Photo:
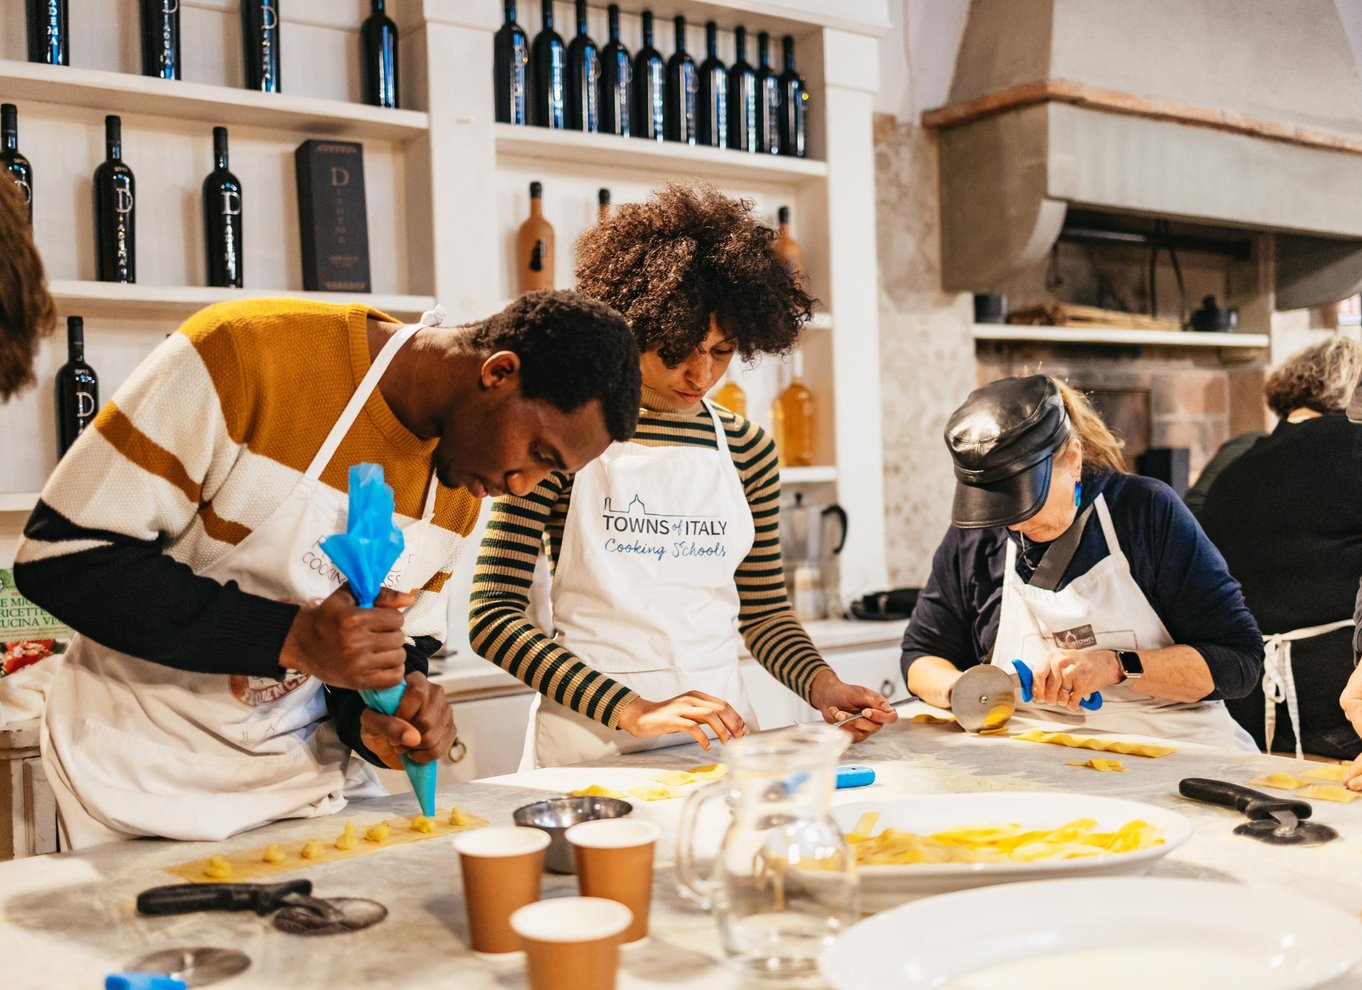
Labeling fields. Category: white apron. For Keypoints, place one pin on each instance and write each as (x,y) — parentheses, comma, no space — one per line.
(1103,610)
(644,590)
(134,747)
(1279,680)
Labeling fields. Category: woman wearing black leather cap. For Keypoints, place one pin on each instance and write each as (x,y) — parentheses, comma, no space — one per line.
(1096,579)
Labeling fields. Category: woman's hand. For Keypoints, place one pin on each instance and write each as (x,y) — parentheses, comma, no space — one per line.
(835,700)
(1066,677)
(644,719)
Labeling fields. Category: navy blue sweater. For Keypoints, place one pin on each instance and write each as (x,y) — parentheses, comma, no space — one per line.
(1180,571)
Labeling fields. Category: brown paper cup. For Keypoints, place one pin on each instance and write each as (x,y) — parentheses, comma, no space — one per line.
(501,867)
(572,943)
(615,860)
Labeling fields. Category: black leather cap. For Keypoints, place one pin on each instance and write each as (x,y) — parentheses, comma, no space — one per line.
(1003,440)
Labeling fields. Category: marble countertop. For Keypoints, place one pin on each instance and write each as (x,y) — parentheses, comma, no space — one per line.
(69,919)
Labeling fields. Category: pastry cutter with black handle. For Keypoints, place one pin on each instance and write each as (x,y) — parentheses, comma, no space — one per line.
(262,898)
(295,909)
(1274,820)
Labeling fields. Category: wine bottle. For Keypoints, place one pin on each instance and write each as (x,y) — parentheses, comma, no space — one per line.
(787,247)
(794,98)
(650,87)
(260,42)
(712,127)
(682,87)
(160,38)
(602,205)
(510,60)
(378,57)
(732,397)
(793,411)
(534,245)
(10,160)
(616,72)
(222,218)
(47,32)
(77,388)
(584,76)
(115,218)
(768,99)
(742,97)
(548,70)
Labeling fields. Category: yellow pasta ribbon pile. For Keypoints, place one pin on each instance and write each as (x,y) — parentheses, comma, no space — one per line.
(997,843)
(1089,742)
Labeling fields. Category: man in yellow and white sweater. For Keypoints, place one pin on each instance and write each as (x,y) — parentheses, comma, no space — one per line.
(214,682)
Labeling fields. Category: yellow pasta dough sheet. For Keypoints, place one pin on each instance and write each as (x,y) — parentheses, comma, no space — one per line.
(665,788)
(1337,772)
(1327,792)
(996,843)
(925,718)
(1118,746)
(1100,764)
(1279,781)
(334,840)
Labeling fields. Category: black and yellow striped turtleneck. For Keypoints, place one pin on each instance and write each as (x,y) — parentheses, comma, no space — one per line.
(519,528)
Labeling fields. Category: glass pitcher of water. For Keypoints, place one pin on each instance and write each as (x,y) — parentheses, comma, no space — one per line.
(783,884)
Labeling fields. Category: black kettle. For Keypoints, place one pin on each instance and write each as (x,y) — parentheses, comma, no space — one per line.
(1213,318)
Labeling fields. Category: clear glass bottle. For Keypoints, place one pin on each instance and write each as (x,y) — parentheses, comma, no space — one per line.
(792,418)
(732,397)
(787,247)
(784,883)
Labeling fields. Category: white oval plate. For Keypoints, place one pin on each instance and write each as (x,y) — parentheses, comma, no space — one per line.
(885,886)
(1117,933)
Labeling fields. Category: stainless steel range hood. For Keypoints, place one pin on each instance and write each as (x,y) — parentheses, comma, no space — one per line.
(1242,114)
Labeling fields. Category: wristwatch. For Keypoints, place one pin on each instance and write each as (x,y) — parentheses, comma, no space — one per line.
(1131,664)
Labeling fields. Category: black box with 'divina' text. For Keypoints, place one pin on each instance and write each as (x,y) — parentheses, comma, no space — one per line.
(331,216)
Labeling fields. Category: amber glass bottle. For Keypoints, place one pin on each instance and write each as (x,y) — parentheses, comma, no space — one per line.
(534,245)
(787,247)
(792,419)
(732,397)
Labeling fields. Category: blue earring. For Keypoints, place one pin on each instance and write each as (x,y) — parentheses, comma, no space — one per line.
(1078,493)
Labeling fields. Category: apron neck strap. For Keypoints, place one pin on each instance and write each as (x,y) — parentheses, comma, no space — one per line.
(720,434)
(1050,571)
(366,387)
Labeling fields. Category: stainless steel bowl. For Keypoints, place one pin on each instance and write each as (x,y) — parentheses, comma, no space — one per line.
(556,815)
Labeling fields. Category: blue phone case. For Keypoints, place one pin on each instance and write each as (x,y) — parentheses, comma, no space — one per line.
(854,776)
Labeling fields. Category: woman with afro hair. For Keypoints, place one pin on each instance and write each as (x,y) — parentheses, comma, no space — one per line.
(665,552)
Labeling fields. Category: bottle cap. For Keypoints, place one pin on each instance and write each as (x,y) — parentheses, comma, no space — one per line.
(536,190)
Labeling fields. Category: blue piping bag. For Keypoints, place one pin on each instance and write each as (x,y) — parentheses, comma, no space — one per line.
(365,553)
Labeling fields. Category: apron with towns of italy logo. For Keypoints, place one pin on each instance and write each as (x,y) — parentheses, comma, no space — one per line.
(134,747)
(1104,609)
(645,589)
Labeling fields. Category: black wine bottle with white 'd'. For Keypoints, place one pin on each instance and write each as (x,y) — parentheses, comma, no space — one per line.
(222,219)
(115,196)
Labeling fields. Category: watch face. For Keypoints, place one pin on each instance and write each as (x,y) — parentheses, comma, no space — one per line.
(1130,663)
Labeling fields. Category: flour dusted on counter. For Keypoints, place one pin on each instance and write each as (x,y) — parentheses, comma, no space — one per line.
(31,644)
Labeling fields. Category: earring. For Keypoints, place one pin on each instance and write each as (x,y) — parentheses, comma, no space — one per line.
(1078,493)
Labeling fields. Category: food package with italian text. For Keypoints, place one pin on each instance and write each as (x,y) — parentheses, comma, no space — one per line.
(32,641)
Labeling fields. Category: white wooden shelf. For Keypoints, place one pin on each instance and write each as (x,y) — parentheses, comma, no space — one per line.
(124,93)
(18,501)
(117,299)
(1116,335)
(808,475)
(660,157)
